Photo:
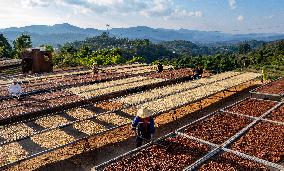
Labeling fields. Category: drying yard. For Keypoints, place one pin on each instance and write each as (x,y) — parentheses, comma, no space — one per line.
(69,113)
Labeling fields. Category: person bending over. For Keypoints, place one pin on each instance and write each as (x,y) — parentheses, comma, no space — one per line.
(15,90)
(144,125)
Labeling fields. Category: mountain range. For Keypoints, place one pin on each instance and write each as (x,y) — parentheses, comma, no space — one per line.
(62,33)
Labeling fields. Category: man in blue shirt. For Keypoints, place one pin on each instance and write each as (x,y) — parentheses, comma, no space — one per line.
(144,125)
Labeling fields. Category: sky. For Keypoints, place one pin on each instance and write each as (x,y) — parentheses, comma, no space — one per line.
(230,16)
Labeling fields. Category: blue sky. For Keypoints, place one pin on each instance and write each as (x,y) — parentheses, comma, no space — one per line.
(232,16)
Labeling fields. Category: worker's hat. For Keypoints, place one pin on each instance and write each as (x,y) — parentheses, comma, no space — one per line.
(144,112)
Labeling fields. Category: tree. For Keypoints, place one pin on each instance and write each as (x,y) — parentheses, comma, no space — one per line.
(5,47)
(136,59)
(21,43)
(48,48)
(244,48)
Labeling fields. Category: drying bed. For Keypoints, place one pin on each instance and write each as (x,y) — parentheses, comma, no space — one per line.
(169,74)
(229,161)
(80,113)
(52,139)
(11,152)
(265,141)
(74,117)
(217,128)
(109,105)
(130,111)
(137,70)
(56,81)
(114,119)
(198,93)
(68,72)
(252,107)
(93,87)
(15,131)
(118,88)
(40,85)
(173,89)
(49,140)
(89,127)
(277,114)
(36,103)
(276,87)
(173,153)
(51,121)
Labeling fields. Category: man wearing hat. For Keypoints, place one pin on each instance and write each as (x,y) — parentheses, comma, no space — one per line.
(144,125)
(15,90)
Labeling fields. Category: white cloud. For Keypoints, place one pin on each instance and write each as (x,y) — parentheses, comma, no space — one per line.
(240,18)
(148,8)
(35,3)
(23,16)
(180,13)
(81,10)
(198,14)
(232,3)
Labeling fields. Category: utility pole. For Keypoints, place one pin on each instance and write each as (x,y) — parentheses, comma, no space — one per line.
(107,26)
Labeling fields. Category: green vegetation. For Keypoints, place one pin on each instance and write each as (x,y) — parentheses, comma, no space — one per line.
(106,50)
(269,56)
(216,63)
(68,56)
(5,47)
(48,48)
(21,43)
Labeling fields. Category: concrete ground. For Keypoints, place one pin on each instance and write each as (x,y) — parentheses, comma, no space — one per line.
(86,161)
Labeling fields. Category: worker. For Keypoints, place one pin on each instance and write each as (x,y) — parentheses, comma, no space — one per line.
(95,68)
(264,74)
(15,90)
(198,72)
(27,64)
(159,67)
(144,125)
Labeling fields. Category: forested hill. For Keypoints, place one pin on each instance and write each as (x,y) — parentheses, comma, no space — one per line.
(127,48)
(167,49)
(62,33)
(53,35)
(105,49)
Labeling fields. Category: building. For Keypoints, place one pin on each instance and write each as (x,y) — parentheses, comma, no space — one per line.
(36,61)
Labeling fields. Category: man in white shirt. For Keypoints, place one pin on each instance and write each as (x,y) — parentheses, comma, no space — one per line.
(15,90)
